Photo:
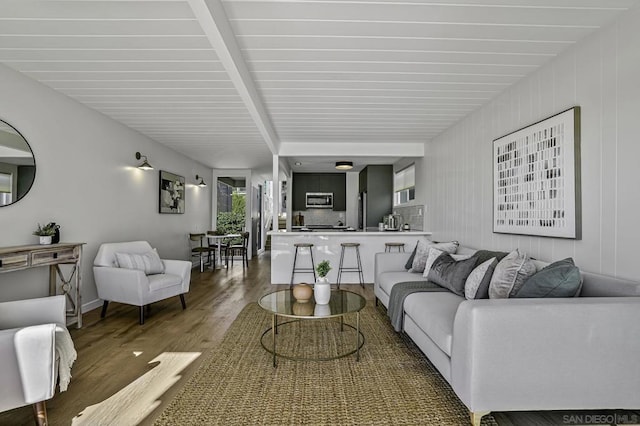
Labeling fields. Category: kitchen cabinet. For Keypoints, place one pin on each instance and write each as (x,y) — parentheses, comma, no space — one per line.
(319,182)
(377,182)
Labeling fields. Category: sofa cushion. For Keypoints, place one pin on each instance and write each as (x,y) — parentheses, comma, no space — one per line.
(509,275)
(434,313)
(387,280)
(160,281)
(450,273)
(422,253)
(477,284)
(148,262)
(560,279)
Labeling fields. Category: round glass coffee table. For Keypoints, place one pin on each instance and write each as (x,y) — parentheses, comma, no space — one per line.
(281,303)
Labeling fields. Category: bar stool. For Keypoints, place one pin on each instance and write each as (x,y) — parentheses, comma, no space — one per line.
(301,270)
(357,268)
(389,246)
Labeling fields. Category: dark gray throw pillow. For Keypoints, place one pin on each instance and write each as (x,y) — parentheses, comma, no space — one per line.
(484,255)
(451,274)
(409,263)
(560,279)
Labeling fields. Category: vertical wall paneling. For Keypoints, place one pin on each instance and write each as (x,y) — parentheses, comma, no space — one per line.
(600,74)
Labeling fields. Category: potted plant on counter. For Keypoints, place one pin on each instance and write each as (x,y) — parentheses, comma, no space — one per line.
(322,288)
(45,232)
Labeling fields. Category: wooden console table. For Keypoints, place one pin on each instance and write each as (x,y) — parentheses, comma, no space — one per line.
(53,255)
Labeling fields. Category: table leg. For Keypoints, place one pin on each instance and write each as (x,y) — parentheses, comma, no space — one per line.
(274,331)
(341,322)
(357,336)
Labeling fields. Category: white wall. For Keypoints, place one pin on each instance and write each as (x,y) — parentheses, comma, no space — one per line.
(87,182)
(600,74)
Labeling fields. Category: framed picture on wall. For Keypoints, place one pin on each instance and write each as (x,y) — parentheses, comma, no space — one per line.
(536,178)
(171,193)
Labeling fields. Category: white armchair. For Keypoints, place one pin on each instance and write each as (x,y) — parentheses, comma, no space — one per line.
(27,352)
(134,287)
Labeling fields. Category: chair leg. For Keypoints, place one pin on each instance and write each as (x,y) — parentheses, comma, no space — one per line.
(340,267)
(40,413)
(103,313)
(184,304)
(141,315)
(360,274)
(293,268)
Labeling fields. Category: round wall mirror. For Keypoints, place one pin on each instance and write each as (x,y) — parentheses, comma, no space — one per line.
(17,165)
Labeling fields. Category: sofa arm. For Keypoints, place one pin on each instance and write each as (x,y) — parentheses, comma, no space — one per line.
(546,354)
(24,313)
(28,360)
(385,262)
(181,268)
(121,285)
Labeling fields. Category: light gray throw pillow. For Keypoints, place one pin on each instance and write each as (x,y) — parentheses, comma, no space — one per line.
(149,262)
(422,253)
(510,273)
(477,284)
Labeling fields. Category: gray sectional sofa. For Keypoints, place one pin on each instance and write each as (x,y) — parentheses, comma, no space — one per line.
(526,354)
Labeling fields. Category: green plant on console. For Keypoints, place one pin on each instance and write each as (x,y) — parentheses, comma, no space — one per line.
(323,268)
(47,230)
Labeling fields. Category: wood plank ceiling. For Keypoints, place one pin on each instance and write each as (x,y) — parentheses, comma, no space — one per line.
(229,83)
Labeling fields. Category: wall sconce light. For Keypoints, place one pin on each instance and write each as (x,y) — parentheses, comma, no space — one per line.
(145,164)
(344,165)
(202,183)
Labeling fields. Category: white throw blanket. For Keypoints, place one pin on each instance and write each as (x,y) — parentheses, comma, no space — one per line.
(65,355)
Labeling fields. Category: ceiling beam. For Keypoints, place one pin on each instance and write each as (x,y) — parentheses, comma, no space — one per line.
(213,19)
(341,149)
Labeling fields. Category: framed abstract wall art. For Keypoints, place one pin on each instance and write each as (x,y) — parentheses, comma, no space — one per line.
(536,178)
(171,193)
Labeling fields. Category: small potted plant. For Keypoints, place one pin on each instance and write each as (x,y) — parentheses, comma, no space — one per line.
(322,288)
(45,232)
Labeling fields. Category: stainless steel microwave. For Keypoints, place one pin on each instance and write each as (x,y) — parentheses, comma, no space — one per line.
(319,200)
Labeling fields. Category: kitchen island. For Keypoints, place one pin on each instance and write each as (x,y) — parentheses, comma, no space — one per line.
(327,247)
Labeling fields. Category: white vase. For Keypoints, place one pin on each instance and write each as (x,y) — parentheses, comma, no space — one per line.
(321,310)
(322,291)
(45,239)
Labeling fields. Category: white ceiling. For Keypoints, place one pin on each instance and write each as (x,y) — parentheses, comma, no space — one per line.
(231,83)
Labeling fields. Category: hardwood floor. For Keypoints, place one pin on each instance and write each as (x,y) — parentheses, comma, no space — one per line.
(115,379)
(116,351)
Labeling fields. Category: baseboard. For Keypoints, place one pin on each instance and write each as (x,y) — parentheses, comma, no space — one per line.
(90,306)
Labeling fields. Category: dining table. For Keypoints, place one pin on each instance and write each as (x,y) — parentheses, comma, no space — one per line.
(217,239)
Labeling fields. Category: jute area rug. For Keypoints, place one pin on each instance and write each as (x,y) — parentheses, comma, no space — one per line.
(392,384)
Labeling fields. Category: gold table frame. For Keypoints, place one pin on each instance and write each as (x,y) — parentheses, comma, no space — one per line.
(281,303)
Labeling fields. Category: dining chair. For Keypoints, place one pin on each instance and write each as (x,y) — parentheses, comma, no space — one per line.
(239,249)
(200,250)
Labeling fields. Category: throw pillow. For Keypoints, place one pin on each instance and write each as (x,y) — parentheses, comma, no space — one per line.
(560,279)
(422,252)
(149,262)
(450,273)
(510,273)
(484,255)
(477,284)
(410,260)
(434,253)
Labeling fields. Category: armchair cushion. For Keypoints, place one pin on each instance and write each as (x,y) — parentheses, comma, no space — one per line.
(148,262)
(160,281)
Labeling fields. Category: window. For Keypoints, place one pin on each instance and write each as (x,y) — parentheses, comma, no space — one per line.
(404,185)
